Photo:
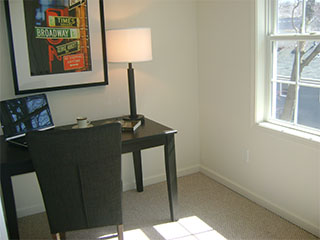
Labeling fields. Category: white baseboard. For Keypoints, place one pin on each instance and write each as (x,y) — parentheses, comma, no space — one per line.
(308,226)
(162,177)
(30,210)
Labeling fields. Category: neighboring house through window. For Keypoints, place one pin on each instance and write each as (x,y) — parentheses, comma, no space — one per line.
(291,62)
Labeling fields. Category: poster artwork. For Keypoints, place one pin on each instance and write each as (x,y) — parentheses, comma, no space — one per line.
(57,36)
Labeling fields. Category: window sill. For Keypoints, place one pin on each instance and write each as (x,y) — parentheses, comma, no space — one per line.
(290,131)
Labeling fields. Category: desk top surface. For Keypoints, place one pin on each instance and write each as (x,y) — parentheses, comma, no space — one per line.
(149,129)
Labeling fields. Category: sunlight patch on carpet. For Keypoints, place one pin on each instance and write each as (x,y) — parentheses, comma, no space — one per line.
(189,228)
(136,234)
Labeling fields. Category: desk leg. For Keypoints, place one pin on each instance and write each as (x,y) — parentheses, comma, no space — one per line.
(171,172)
(9,206)
(138,170)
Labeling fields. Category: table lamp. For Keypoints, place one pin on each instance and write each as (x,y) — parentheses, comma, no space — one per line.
(130,45)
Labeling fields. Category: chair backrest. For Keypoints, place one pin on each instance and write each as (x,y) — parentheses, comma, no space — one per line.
(79,172)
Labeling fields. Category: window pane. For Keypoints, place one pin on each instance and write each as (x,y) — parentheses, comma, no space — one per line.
(310,65)
(285,58)
(309,107)
(289,16)
(279,97)
(313,16)
(295,63)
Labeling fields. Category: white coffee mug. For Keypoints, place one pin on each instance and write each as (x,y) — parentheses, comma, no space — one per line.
(82,122)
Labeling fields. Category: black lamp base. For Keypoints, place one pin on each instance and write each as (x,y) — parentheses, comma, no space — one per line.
(132,97)
(138,117)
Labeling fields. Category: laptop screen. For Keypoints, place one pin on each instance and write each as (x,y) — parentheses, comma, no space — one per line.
(21,115)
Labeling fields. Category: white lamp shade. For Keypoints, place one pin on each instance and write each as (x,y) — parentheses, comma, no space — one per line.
(129,45)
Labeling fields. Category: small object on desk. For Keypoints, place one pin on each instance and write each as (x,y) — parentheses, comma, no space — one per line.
(130,126)
(83,122)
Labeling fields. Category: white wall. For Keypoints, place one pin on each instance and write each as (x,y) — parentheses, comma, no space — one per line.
(283,172)
(166,89)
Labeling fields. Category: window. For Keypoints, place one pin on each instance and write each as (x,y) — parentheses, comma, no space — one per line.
(293,43)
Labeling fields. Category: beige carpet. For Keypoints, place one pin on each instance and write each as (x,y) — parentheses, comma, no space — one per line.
(207,210)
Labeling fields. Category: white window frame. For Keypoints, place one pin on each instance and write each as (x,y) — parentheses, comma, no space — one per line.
(265,24)
(281,91)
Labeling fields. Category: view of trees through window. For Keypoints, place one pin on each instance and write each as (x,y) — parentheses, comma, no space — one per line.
(295,88)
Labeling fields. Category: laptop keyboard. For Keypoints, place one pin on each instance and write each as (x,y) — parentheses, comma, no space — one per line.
(21,141)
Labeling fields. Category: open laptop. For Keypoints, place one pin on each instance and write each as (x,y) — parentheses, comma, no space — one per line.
(21,115)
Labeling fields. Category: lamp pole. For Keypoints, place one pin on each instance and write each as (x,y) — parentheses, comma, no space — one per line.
(132,96)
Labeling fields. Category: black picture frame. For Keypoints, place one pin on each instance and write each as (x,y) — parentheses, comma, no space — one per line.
(26,82)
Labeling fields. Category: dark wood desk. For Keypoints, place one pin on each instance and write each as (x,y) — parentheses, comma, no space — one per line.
(15,160)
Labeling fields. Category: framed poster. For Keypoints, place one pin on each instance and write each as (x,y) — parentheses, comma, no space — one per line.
(56,44)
